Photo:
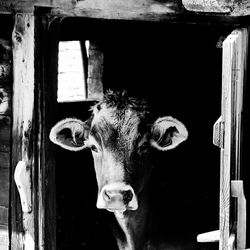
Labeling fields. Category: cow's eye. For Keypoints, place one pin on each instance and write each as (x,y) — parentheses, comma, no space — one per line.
(143,147)
(94,148)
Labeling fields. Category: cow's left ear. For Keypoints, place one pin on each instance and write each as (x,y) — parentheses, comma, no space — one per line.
(70,134)
(167,133)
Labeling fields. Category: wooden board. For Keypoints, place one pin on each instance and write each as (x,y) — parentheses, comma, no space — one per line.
(95,71)
(5,134)
(5,127)
(22,141)
(4,159)
(46,103)
(131,9)
(233,80)
(4,212)
(4,208)
(4,237)
(4,187)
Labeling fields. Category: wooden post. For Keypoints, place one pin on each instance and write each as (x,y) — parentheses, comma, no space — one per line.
(22,140)
(95,71)
(233,78)
(46,68)
(5,135)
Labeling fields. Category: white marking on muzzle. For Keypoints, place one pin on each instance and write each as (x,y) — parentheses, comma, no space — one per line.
(117,187)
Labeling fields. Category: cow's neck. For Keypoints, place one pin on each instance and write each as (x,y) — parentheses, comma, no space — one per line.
(134,225)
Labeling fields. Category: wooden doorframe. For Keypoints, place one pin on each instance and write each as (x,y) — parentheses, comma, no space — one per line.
(35,40)
(22,223)
(47,37)
(234,71)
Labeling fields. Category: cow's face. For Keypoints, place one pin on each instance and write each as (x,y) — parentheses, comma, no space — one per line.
(120,139)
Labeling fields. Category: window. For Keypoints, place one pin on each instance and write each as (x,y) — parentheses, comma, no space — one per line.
(71,74)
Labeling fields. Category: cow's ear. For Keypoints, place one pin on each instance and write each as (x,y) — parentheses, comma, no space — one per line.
(69,134)
(167,133)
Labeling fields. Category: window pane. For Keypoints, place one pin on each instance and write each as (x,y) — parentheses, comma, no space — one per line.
(71,80)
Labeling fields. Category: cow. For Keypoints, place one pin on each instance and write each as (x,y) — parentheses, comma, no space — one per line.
(121,133)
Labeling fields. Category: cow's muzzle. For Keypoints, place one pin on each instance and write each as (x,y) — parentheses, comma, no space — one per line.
(117,197)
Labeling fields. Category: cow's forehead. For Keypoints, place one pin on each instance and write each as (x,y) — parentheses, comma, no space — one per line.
(116,118)
(102,112)
(113,124)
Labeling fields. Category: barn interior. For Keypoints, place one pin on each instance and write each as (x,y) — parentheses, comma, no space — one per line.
(178,69)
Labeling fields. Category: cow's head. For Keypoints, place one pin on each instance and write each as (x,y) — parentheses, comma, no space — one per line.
(120,133)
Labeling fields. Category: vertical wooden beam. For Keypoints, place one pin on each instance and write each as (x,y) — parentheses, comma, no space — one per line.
(225,164)
(22,140)
(95,71)
(239,73)
(233,78)
(47,36)
(5,130)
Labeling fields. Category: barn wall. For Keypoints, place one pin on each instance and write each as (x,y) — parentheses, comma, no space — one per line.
(150,12)
(5,127)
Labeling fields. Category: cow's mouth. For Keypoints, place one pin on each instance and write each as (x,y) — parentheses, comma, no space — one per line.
(116,210)
(121,209)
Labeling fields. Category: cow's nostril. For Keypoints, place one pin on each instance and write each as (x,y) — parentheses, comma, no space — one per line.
(107,195)
(127,196)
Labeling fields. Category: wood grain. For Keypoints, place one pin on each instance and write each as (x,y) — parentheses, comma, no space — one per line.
(46,103)
(4,187)
(5,134)
(131,9)
(4,160)
(226,114)
(207,6)
(4,212)
(218,6)
(233,72)
(239,73)
(95,71)
(4,236)
(23,105)
(5,127)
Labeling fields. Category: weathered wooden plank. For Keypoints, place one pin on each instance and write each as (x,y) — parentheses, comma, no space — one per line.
(46,69)
(131,9)
(207,6)
(225,166)
(95,71)
(233,8)
(4,187)
(4,213)
(239,74)
(4,237)
(23,106)
(4,160)
(5,127)
(71,75)
(233,71)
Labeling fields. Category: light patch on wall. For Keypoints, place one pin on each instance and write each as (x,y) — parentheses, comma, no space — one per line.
(71,78)
(4,238)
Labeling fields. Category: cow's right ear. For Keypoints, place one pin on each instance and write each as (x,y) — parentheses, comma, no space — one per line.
(70,134)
